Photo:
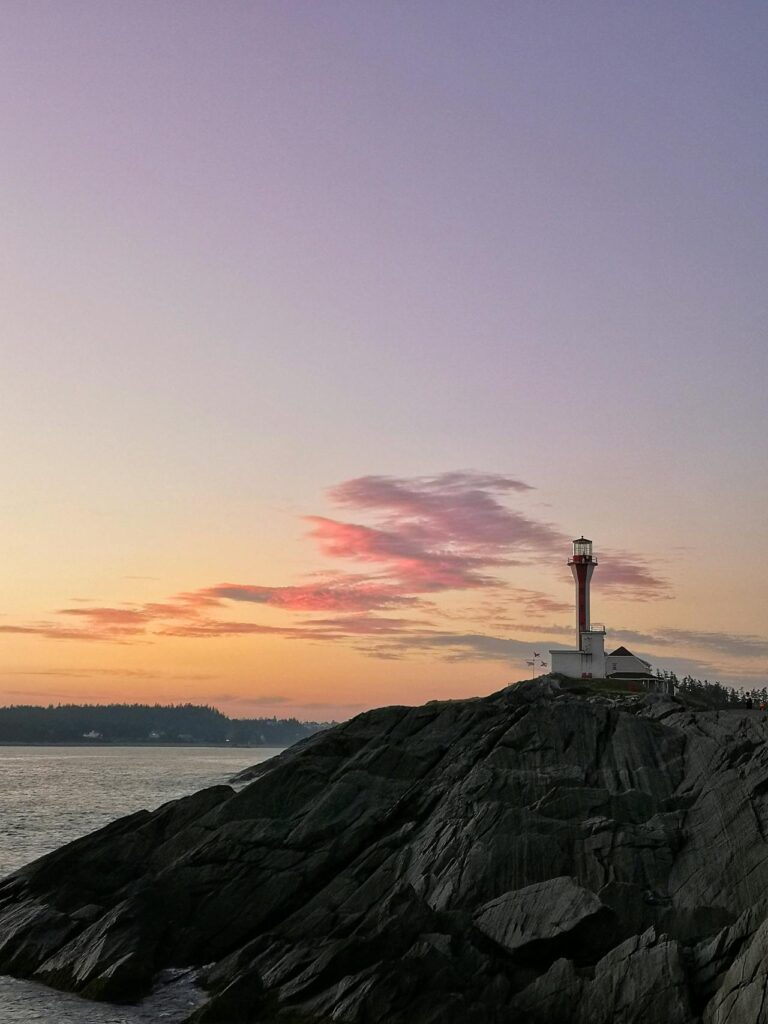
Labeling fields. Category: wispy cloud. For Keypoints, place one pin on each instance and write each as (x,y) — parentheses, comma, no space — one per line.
(36,694)
(360,623)
(734,645)
(422,537)
(52,631)
(217,628)
(448,646)
(261,700)
(437,532)
(414,566)
(331,592)
(629,576)
(509,603)
(430,535)
(109,616)
(83,673)
(97,672)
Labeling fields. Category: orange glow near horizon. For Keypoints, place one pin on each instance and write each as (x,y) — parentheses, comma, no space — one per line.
(443,592)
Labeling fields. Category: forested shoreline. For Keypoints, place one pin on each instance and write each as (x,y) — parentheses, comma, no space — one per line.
(186,724)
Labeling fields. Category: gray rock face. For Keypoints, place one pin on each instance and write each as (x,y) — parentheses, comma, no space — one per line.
(532,856)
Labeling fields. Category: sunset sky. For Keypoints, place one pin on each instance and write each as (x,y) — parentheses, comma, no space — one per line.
(326,325)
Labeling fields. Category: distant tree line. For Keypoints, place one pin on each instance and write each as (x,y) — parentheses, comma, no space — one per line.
(714,694)
(145,723)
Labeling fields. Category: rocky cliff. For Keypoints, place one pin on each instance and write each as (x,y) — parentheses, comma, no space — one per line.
(533,856)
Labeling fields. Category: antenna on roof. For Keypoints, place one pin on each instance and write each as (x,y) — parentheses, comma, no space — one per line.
(534,664)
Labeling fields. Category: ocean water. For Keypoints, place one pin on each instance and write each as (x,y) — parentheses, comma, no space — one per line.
(50,796)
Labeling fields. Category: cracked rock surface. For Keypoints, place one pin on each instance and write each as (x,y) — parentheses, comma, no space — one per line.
(532,856)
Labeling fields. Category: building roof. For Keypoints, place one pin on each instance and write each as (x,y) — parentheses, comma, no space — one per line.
(621,652)
(631,675)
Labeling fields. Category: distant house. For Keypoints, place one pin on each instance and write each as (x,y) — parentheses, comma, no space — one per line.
(623,664)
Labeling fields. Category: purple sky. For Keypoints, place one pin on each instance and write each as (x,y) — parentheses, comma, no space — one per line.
(255,250)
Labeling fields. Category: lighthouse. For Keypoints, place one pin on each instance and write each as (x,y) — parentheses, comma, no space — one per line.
(582,563)
(589,660)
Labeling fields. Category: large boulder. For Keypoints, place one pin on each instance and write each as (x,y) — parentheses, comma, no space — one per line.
(545,917)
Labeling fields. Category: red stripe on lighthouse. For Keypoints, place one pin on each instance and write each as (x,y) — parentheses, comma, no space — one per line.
(581,573)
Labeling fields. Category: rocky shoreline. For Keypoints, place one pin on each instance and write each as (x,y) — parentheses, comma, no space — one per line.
(533,856)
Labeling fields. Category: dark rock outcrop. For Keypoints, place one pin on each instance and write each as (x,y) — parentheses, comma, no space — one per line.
(533,856)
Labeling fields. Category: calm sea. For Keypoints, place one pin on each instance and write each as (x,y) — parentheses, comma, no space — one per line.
(51,795)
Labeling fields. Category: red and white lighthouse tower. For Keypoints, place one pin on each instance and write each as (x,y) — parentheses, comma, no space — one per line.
(582,563)
(588,660)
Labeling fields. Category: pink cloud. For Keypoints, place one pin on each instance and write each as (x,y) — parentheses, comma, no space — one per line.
(337,592)
(435,533)
(110,624)
(109,616)
(180,608)
(416,566)
(191,602)
(629,576)
(452,508)
(423,536)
